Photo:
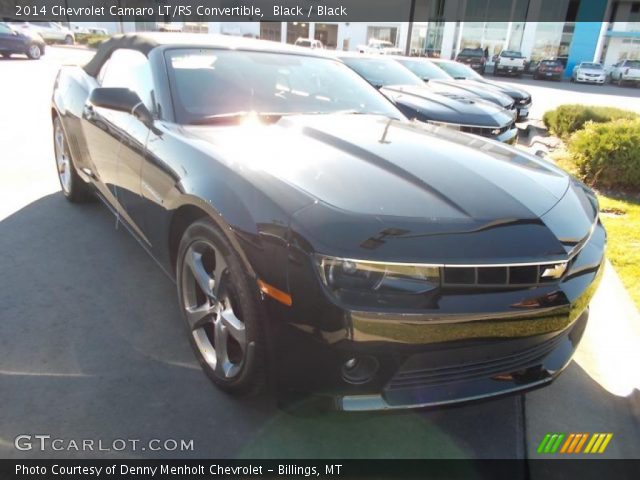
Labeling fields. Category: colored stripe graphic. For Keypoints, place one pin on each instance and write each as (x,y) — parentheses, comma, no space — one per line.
(572,443)
(581,443)
(543,443)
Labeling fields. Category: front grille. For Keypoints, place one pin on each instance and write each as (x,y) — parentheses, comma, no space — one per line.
(483,368)
(496,276)
(487,131)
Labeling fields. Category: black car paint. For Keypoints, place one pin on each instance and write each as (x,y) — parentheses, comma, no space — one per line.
(506,96)
(427,103)
(370,188)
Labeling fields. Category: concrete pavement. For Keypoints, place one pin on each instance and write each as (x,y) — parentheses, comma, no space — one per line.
(92,344)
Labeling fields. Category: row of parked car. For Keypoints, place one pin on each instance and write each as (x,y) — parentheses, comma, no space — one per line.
(512,62)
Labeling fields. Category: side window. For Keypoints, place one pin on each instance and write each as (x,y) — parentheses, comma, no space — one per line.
(6,30)
(129,69)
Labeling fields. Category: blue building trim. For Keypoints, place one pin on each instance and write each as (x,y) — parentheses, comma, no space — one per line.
(585,35)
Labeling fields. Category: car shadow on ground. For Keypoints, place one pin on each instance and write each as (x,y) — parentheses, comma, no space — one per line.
(92,346)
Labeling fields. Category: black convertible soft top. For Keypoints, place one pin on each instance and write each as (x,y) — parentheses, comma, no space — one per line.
(145,42)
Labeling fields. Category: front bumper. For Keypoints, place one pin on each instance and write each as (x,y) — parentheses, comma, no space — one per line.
(465,344)
(523,365)
(585,79)
(509,69)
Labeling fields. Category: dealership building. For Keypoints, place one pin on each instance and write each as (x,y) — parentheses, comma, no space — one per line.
(527,28)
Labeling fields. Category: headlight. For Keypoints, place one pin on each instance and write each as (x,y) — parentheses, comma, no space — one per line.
(341,274)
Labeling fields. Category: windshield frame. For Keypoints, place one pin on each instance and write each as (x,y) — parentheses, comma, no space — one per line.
(472,74)
(430,65)
(418,82)
(183,116)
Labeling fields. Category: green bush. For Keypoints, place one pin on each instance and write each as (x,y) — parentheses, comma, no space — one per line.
(566,119)
(607,155)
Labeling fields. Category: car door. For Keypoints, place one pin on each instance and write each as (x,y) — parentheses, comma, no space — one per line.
(117,140)
(10,41)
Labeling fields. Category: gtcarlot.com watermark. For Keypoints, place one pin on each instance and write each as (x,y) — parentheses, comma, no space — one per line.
(48,443)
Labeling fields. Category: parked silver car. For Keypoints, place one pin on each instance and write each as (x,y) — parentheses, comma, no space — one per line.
(50,31)
(589,72)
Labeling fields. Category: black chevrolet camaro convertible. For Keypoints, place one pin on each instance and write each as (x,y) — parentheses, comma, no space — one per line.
(319,240)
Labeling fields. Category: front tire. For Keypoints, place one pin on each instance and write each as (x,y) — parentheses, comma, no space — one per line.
(6,55)
(68,40)
(73,187)
(222,310)
(34,52)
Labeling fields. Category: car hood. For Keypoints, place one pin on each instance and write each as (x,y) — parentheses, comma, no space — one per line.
(384,188)
(471,89)
(449,107)
(505,89)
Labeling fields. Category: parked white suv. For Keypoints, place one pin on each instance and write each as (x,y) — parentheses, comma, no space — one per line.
(626,71)
(309,43)
(589,72)
(49,31)
(382,47)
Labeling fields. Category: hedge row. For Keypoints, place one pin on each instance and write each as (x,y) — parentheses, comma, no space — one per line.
(567,119)
(607,155)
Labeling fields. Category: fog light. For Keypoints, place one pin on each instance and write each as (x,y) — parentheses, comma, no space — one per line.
(359,370)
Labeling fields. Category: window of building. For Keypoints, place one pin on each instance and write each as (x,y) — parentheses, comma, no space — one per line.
(328,34)
(271,31)
(388,34)
(297,30)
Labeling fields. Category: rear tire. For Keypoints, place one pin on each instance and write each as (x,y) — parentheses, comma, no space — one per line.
(73,187)
(222,310)
(68,40)
(34,52)
(6,55)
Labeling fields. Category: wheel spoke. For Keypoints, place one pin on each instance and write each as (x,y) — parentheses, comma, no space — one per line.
(219,275)
(204,281)
(198,317)
(223,365)
(234,326)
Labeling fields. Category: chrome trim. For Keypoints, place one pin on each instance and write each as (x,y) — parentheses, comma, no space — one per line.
(366,403)
(449,124)
(446,265)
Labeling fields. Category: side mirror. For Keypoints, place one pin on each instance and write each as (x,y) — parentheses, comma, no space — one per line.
(122,100)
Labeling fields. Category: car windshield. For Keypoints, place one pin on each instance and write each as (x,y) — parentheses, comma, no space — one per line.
(382,72)
(592,66)
(550,63)
(424,69)
(472,52)
(458,70)
(209,83)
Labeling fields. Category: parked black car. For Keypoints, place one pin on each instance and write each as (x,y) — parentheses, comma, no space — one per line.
(440,81)
(474,57)
(315,232)
(549,69)
(23,43)
(419,101)
(463,73)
